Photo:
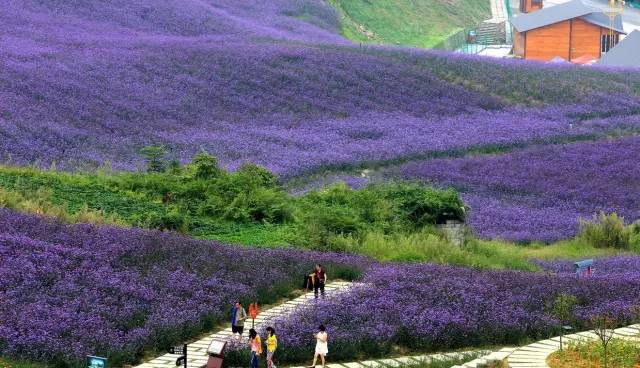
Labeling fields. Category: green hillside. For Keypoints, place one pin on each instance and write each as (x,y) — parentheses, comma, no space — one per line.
(420,23)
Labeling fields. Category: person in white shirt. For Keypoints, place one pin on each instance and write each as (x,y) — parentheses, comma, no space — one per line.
(322,346)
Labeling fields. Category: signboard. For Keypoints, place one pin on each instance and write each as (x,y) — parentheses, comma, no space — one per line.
(96,362)
(216,347)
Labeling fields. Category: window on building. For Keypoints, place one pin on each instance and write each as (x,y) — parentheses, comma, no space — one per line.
(609,41)
(532,4)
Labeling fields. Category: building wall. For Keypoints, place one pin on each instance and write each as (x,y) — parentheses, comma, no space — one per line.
(585,39)
(519,41)
(548,42)
(527,6)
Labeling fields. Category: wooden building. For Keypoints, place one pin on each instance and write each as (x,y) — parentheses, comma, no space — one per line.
(569,31)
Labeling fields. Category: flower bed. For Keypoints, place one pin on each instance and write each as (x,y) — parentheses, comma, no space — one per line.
(540,193)
(69,291)
(428,308)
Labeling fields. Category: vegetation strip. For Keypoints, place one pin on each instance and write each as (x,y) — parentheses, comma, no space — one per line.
(536,354)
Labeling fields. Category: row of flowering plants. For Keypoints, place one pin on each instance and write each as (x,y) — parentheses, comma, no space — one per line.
(426,307)
(541,193)
(72,290)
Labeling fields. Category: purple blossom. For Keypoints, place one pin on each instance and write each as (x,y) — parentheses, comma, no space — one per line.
(542,192)
(68,291)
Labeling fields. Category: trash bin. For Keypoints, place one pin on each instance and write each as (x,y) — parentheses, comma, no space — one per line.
(216,353)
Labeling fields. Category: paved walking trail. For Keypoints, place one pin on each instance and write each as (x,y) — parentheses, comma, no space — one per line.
(197,350)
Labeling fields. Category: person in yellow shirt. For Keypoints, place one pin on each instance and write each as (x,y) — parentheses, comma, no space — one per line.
(272,345)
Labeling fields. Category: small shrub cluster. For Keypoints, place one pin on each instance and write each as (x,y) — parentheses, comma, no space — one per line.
(606,231)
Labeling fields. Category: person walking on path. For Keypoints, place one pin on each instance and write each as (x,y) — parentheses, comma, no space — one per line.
(319,279)
(237,321)
(256,347)
(322,346)
(272,345)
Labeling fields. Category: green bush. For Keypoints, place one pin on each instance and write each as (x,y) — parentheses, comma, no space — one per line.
(172,220)
(606,231)
(338,217)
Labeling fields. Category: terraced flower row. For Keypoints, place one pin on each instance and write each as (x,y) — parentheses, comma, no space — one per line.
(541,193)
(197,77)
(427,307)
(69,291)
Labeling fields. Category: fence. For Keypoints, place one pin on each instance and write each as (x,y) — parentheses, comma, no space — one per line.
(454,42)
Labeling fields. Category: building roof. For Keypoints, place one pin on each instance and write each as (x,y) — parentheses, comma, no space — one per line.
(559,13)
(625,54)
(601,19)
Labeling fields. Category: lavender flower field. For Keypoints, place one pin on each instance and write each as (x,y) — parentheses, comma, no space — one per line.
(428,307)
(256,82)
(87,85)
(541,193)
(68,291)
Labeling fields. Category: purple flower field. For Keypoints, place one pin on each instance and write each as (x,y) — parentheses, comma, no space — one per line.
(542,192)
(271,82)
(429,307)
(68,291)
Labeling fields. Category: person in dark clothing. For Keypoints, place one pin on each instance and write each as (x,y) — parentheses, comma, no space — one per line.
(319,280)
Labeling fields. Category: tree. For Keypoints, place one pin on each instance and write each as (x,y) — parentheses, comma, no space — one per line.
(602,327)
(155,158)
(562,309)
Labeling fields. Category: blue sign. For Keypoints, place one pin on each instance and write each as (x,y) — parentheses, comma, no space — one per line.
(96,362)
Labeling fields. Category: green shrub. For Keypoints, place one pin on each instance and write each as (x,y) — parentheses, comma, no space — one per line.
(338,217)
(205,166)
(258,205)
(172,220)
(606,231)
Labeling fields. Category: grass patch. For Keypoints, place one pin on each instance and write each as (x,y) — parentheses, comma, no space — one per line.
(429,245)
(11,363)
(620,354)
(422,23)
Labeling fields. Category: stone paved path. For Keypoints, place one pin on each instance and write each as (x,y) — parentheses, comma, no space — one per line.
(197,350)
(402,361)
(495,357)
(535,355)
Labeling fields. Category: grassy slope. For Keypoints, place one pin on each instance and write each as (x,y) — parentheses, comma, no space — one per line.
(77,193)
(421,23)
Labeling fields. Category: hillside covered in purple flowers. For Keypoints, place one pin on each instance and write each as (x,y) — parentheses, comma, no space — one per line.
(169,120)
(87,84)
